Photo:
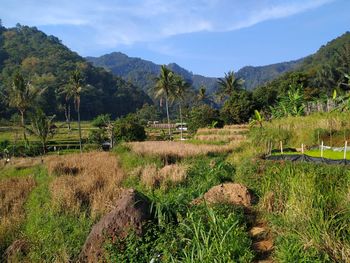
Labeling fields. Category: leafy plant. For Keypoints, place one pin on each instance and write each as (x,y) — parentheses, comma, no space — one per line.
(42,126)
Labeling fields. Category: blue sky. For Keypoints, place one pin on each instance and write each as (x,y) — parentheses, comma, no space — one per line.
(207,37)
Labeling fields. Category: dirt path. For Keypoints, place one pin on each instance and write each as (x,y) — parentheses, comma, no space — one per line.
(260,234)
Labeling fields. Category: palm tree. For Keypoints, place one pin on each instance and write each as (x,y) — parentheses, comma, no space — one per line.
(74,90)
(201,96)
(179,93)
(66,91)
(229,84)
(43,127)
(165,88)
(21,96)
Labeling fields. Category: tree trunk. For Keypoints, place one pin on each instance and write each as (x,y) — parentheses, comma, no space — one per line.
(24,128)
(44,147)
(167,114)
(181,121)
(79,128)
(67,115)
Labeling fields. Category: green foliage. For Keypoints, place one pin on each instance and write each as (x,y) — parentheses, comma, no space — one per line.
(292,104)
(305,205)
(47,64)
(148,113)
(128,129)
(42,126)
(238,108)
(203,116)
(53,235)
(229,85)
(203,235)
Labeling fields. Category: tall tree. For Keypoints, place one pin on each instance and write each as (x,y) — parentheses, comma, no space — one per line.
(22,96)
(201,96)
(164,88)
(228,85)
(74,90)
(180,89)
(67,95)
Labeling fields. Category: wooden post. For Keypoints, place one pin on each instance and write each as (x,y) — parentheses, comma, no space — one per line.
(281,146)
(302,148)
(346,145)
(322,149)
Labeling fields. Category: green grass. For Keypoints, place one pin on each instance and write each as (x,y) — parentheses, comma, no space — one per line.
(306,206)
(11,171)
(185,233)
(53,235)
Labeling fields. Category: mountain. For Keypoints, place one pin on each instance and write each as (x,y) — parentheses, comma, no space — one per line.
(257,76)
(47,63)
(142,72)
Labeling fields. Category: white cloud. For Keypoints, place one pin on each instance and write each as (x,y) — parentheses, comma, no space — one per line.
(116,22)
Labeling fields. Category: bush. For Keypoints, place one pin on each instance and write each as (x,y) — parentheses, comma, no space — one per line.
(203,116)
(238,108)
(128,129)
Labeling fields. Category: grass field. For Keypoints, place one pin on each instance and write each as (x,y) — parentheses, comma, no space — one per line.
(48,207)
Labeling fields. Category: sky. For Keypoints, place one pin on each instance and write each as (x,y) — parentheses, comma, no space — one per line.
(207,37)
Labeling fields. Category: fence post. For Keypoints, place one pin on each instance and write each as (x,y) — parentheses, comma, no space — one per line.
(322,149)
(302,148)
(281,146)
(346,145)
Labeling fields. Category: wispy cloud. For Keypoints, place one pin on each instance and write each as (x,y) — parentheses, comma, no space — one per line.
(118,22)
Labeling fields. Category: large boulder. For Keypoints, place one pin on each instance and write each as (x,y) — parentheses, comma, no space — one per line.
(229,193)
(131,212)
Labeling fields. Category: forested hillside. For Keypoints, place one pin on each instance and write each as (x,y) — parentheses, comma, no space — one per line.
(142,72)
(317,78)
(46,63)
(257,76)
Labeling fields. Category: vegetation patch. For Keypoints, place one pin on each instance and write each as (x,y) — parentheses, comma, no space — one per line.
(86,182)
(13,195)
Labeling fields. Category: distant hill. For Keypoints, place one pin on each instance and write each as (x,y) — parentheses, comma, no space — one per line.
(256,76)
(47,63)
(142,72)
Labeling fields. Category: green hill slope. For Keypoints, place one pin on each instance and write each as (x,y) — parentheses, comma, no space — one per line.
(47,63)
(142,72)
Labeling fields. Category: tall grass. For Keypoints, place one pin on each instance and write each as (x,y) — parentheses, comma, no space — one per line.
(53,236)
(85,182)
(13,194)
(175,149)
(307,206)
(204,234)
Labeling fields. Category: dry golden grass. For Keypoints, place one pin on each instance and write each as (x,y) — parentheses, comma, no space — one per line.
(13,195)
(227,130)
(152,177)
(221,138)
(175,149)
(88,181)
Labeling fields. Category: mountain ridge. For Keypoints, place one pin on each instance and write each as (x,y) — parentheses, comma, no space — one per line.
(141,72)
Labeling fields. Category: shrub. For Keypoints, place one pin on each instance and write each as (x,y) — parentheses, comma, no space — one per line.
(238,108)
(204,116)
(128,129)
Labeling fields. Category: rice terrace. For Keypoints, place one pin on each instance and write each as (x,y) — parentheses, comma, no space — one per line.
(111,158)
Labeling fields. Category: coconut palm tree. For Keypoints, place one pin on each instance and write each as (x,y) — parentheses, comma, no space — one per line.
(74,90)
(164,88)
(180,89)
(228,85)
(21,96)
(201,96)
